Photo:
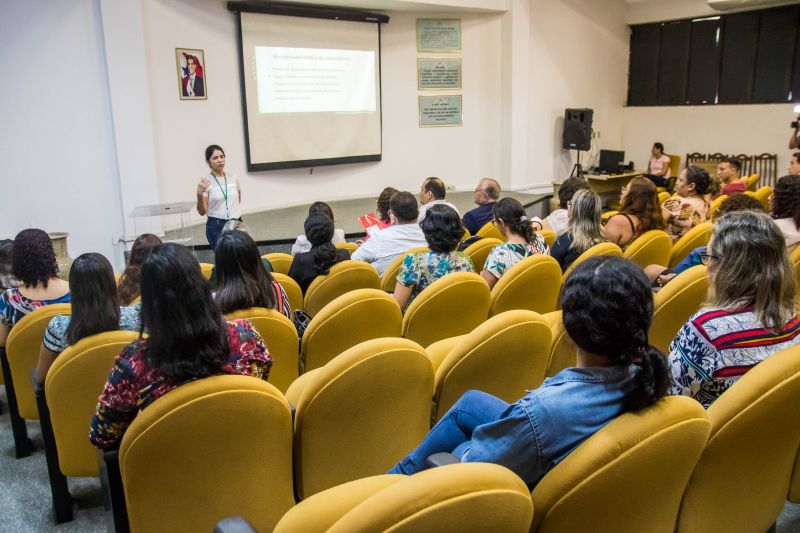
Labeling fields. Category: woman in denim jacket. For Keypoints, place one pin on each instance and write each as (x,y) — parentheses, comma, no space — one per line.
(607,308)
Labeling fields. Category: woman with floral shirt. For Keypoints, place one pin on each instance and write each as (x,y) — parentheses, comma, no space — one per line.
(188,339)
(521,241)
(687,207)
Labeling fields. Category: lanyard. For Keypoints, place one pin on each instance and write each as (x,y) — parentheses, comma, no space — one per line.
(224,192)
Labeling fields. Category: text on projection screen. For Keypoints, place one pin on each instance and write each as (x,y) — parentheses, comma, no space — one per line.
(308,80)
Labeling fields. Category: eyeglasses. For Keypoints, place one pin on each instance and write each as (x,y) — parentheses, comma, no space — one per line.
(704,258)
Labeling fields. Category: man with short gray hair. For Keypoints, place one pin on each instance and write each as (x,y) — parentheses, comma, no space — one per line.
(486,194)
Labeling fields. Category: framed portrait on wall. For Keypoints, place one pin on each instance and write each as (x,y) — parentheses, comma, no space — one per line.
(192,81)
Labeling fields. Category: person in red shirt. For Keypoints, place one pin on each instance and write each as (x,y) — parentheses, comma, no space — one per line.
(728,173)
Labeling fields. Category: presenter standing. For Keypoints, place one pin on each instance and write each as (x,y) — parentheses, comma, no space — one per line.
(218,195)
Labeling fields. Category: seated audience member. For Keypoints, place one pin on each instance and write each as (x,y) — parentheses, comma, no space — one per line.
(750,312)
(431,193)
(188,339)
(583,229)
(7,280)
(404,233)
(738,202)
(639,213)
(94,310)
(521,240)
(617,371)
(382,207)
(687,207)
(794,165)
(33,264)
(557,220)
(485,196)
(728,174)
(302,245)
(128,285)
(658,170)
(242,281)
(785,205)
(443,231)
(318,261)
(237,225)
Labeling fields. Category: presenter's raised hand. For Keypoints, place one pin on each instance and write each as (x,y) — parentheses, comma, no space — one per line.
(204,184)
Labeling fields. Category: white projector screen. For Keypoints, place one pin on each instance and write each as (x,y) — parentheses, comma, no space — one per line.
(310,89)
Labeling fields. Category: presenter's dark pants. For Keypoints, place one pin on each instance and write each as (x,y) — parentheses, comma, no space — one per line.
(214,230)
(660,181)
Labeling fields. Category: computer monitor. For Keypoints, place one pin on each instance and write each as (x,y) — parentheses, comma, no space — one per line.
(611,161)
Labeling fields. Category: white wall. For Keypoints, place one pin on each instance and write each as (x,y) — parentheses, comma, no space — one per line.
(57,146)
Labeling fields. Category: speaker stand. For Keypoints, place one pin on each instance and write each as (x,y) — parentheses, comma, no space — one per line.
(577,169)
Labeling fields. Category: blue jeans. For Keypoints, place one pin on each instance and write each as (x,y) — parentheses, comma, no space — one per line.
(214,230)
(453,432)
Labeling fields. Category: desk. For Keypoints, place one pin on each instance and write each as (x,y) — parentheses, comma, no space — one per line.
(607,186)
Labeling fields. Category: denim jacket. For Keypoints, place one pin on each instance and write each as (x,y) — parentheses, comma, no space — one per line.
(541,429)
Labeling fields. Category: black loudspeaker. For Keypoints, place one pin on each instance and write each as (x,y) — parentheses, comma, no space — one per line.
(577,129)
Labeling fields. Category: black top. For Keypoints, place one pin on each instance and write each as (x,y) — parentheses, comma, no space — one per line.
(561,252)
(303,270)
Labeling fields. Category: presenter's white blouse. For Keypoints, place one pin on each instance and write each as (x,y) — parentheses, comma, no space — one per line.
(216,199)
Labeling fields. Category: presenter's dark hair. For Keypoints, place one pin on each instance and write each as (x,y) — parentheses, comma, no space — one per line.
(33,259)
(383,203)
(129,282)
(786,199)
(659,146)
(595,295)
(319,232)
(321,207)
(442,228)
(404,206)
(700,178)
(568,190)
(188,337)
(511,212)
(242,280)
(732,161)
(436,187)
(211,148)
(93,295)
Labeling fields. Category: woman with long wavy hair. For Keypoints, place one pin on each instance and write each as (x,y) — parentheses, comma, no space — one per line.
(639,212)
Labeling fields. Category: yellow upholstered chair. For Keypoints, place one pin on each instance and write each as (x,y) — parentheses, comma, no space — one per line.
(211,448)
(389,277)
(293,291)
(280,262)
(478,251)
(350,319)
(349,246)
(608,214)
(711,210)
(67,404)
(459,497)
(533,284)
(549,236)
(647,456)
(344,276)
(675,303)
(452,305)
(663,196)
(280,338)
(505,356)
(674,166)
(466,235)
(751,181)
(490,231)
(694,238)
(207,269)
(361,413)
(650,248)
(762,195)
(604,248)
(743,476)
(563,352)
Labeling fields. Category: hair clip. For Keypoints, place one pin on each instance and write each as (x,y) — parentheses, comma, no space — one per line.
(523,218)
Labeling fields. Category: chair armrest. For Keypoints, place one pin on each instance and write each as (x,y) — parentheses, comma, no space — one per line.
(441,459)
(233,524)
(38,386)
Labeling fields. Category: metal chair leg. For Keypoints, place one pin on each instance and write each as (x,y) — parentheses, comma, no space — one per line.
(111,479)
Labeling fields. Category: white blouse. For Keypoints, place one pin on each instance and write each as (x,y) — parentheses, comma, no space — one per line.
(218,205)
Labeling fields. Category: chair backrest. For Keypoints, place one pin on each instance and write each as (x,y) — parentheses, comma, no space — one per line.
(22,350)
(751,181)
(350,319)
(594,487)
(72,386)
(563,352)
(604,248)
(742,478)
(650,248)
(490,231)
(767,167)
(280,262)
(694,238)
(452,305)
(674,164)
(389,277)
(361,413)
(291,288)
(349,246)
(675,303)
(505,356)
(608,214)
(207,269)
(280,338)
(211,448)
(762,195)
(713,208)
(533,284)
(663,196)
(344,276)
(549,236)
(479,250)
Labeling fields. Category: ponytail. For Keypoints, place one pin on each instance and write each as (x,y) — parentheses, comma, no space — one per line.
(652,378)
(319,232)
(511,212)
(324,257)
